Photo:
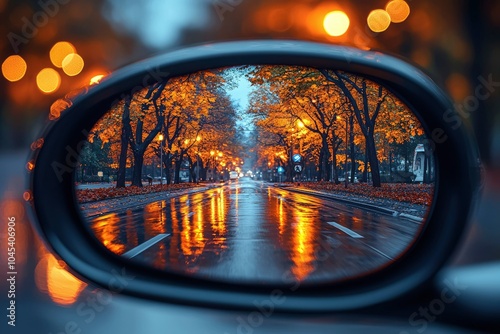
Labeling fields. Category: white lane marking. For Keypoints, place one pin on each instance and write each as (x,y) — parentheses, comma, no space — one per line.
(413,218)
(145,245)
(379,252)
(346,230)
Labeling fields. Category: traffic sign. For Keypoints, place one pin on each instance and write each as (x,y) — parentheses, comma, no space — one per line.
(281,170)
(297,158)
(298,169)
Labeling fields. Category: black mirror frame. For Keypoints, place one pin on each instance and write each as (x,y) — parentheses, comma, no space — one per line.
(58,220)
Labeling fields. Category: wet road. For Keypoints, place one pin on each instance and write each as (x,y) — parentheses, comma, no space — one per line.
(253,232)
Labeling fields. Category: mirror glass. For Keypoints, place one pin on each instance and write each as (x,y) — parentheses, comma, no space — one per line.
(258,174)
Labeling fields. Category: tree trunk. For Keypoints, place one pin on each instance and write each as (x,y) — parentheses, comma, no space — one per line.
(320,165)
(335,171)
(137,173)
(325,172)
(139,145)
(353,149)
(365,167)
(372,158)
(178,164)
(124,142)
(191,170)
(167,168)
(333,168)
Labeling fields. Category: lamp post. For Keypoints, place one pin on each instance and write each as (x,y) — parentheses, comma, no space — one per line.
(332,178)
(302,130)
(197,167)
(346,147)
(219,158)
(198,140)
(160,138)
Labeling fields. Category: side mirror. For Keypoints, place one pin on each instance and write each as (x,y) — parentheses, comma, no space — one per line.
(322,177)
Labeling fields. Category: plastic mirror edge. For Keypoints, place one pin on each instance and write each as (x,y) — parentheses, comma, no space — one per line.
(55,238)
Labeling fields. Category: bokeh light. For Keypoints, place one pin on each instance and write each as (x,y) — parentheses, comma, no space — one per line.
(378,20)
(37,144)
(58,107)
(96,79)
(48,80)
(30,166)
(14,68)
(27,196)
(398,10)
(336,23)
(59,51)
(51,277)
(458,86)
(279,19)
(72,64)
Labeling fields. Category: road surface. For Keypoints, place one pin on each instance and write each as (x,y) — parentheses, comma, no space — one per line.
(253,232)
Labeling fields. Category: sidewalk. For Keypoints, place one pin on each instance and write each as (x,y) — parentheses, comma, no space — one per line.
(99,208)
(413,212)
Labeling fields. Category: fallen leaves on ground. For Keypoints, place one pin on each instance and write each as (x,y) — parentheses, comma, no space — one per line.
(411,193)
(99,194)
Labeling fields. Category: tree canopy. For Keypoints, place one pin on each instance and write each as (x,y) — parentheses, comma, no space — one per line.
(342,124)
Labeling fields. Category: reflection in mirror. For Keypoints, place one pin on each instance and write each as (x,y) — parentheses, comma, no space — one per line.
(258,174)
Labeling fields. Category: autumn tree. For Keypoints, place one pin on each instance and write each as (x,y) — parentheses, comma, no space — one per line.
(94,158)
(124,140)
(366,99)
(109,131)
(304,95)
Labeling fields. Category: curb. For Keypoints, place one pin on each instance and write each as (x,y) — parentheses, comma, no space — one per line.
(350,202)
(372,207)
(412,217)
(167,195)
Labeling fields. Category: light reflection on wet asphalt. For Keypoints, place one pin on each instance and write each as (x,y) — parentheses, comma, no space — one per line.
(254,232)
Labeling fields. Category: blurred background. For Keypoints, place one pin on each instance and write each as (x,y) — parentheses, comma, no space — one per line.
(50,47)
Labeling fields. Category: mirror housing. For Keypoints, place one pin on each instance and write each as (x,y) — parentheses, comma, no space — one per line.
(59,220)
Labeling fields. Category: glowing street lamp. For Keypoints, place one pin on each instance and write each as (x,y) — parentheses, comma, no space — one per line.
(160,138)
(198,139)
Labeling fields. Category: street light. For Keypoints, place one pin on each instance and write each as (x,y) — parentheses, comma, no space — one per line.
(301,130)
(346,148)
(198,139)
(160,138)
